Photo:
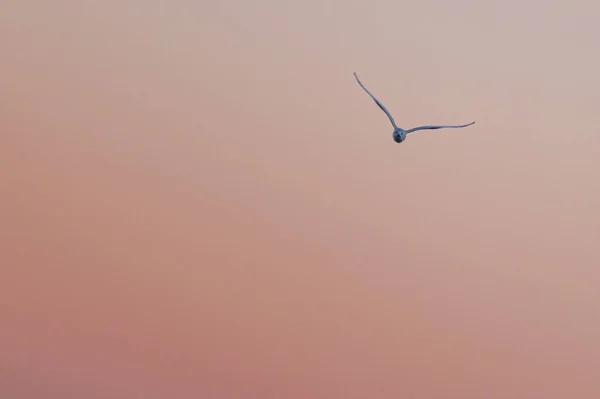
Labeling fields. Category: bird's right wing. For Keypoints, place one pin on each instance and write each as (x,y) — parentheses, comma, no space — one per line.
(376,101)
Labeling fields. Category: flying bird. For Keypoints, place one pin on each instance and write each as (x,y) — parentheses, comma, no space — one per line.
(399,134)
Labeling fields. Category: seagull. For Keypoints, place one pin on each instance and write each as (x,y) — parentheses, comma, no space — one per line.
(399,134)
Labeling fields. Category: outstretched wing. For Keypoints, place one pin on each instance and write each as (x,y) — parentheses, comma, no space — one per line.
(376,101)
(414,129)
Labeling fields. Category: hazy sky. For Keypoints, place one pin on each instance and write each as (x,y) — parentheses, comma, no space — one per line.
(198,201)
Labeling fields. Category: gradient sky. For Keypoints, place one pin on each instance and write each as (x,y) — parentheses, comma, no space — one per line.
(198,200)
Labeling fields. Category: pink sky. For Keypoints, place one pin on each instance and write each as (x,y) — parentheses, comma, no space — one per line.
(198,200)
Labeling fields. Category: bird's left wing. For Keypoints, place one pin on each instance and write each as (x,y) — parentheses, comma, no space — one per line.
(414,129)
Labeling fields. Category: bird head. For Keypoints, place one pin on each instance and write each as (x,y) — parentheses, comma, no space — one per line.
(399,135)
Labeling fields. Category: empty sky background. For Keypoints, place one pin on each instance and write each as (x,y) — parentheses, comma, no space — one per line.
(198,201)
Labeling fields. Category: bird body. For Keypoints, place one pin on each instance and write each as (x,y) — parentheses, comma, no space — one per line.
(399,134)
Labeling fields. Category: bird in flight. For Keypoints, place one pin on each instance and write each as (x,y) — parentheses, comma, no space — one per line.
(399,134)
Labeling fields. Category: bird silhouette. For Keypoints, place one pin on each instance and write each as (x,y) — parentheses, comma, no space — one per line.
(399,134)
